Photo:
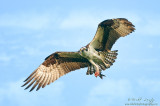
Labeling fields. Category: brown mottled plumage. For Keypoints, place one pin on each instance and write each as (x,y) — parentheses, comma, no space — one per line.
(109,31)
(97,55)
(55,66)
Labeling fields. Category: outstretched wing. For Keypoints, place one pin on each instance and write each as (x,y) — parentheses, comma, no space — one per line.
(55,66)
(109,31)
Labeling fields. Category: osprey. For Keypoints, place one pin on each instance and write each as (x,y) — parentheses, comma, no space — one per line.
(97,55)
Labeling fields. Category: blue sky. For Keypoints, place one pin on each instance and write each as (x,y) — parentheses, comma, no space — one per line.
(31,30)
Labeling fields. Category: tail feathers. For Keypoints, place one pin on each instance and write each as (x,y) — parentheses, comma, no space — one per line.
(115,51)
(102,67)
(110,57)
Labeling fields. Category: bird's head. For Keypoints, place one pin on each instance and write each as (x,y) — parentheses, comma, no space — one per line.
(83,50)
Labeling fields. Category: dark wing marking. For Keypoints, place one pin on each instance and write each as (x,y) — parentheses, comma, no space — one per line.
(55,66)
(109,31)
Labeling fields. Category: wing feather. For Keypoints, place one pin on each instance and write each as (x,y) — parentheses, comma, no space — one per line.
(40,82)
(109,31)
(55,66)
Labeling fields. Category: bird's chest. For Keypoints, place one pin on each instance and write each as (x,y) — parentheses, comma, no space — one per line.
(93,55)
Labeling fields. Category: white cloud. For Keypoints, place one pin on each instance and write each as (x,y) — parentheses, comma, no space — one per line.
(108,92)
(115,88)
(150,46)
(5,58)
(79,20)
(38,49)
(31,51)
(151,85)
(117,92)
(29,20)
(90,19)
(143,60)
(16,95)
(149,27)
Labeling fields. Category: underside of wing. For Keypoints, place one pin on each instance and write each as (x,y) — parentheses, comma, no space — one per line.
(109,31)
(55,66)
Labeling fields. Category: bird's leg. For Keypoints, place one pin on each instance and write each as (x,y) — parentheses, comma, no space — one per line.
(97,73)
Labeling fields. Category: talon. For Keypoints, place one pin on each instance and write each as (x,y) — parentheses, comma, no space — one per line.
(101,76)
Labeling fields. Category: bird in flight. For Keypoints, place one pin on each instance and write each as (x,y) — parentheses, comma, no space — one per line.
(97,55)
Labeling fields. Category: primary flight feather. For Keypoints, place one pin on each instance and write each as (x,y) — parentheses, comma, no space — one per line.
(97,55)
